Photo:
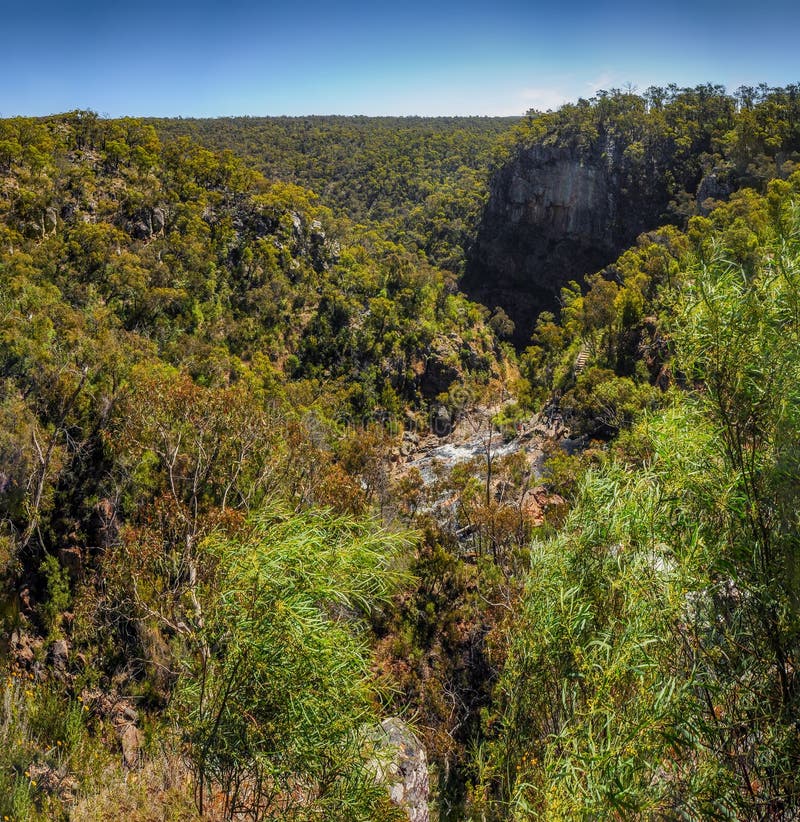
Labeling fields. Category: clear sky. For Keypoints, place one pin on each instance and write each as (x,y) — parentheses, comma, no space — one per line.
(201,58)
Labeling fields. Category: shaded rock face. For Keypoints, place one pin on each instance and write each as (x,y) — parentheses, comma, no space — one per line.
(555,214)
(146,223)
(715,187)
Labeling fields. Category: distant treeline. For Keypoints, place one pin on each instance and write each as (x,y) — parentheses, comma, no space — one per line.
(422,179)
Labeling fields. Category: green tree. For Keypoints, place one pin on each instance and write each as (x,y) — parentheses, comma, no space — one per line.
(276,697)
(651,672)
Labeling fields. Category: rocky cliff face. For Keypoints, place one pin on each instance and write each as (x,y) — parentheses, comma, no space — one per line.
(555,214)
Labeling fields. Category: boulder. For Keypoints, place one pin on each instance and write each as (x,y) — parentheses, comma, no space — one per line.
(131,744)
(23,649)
(158,219)
(402,765)
(105,523)
(50,221)
(441,421)
(71,558)
(715,187)
(441,371)
(59,655)
(138,229)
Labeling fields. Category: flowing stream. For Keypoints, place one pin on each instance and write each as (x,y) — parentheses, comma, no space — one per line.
(456,451)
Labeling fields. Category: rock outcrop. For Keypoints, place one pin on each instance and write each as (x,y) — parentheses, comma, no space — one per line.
(556,213)
(402,765)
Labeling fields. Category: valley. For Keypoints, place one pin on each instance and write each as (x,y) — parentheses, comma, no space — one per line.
(402,468)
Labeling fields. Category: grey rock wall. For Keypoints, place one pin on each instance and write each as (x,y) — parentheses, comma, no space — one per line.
(556,213)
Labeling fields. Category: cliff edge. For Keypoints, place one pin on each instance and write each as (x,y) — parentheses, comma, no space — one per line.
(556,213)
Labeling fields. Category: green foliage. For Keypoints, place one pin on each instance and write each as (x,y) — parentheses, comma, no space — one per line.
(433,646)
(563,472)
(613,329)
(738,331)
(651,670)
(421,181)
(508,418)
(596,727)
(688,150)
(183,342)
(276,701)
(120,255)
(45,749)
(58,594)
(602,403)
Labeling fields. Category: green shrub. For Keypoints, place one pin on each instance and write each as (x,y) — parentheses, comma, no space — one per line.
(58,594)
(274,702)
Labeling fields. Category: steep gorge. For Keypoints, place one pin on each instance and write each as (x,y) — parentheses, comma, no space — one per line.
(556,213)
(584,181)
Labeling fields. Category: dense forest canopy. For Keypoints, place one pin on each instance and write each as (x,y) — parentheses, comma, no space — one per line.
(267,477)
(422,180)
(184,344)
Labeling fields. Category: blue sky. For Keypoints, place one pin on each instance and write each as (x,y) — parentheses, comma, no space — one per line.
(245,57)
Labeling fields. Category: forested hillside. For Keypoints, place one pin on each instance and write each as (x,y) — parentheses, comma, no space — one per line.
(190,351)
(289,531)
(651,673)
(422,180)
(584,181)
